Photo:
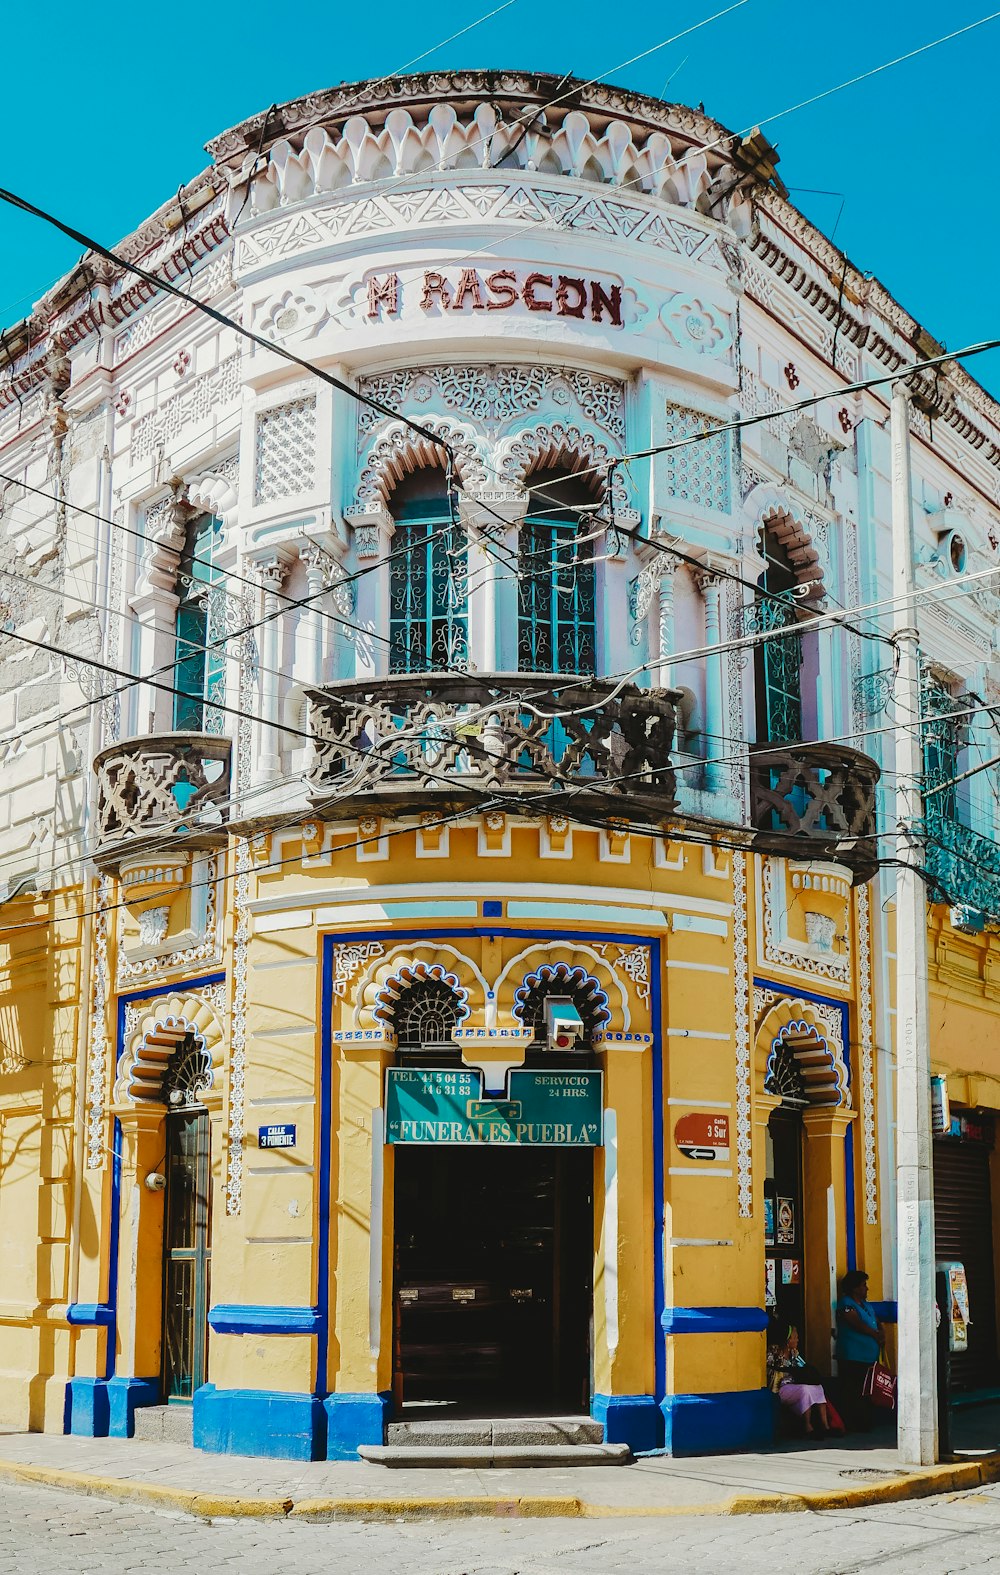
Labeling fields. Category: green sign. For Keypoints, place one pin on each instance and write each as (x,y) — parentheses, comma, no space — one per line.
(558,1109)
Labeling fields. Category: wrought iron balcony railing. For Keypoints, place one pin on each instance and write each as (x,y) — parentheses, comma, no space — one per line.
(815,800)
(172,782)
(443,737)
(963,868)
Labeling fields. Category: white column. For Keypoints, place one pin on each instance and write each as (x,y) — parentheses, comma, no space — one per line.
(917,1439)
(271,574)
(317,565)
(664,649)
(710,586)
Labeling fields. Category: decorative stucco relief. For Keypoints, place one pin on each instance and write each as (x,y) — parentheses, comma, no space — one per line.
(777,948)
(494,200)
(496,396)
(98,1055)
(700,473)
(408,142)
(196,400)
(285,450)
(203,949)
(866,1039)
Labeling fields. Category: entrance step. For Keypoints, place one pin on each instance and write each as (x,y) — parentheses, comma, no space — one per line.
(490,1433)
(165,1423)
(500,1455)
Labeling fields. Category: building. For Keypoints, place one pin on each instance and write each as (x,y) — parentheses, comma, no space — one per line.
(446,951)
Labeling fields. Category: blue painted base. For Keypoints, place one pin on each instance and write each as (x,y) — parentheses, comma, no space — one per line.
(634,1420)
(87,1407)
(718,1424)
(257,1422)
(124,1396)
(352,1420)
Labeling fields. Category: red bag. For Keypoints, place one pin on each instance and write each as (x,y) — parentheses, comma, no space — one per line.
(834,1418)
(879,1387)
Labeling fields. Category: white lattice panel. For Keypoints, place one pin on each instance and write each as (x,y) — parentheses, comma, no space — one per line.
(701,473)
(285,451)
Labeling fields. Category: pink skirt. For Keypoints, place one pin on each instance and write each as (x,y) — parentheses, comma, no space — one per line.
(800,1398)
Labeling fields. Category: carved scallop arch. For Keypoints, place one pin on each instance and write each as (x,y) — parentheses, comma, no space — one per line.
(397,451)
(519,970)
(811,1034)
(766,509)
(212,494)
(386,976)
(554,444)
(155,1038)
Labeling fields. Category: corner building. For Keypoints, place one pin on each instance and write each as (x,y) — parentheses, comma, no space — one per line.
(447,959)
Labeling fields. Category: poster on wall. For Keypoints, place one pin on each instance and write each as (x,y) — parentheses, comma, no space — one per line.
(768,1222)
(770,1283)
(790,1271)
(786,1222)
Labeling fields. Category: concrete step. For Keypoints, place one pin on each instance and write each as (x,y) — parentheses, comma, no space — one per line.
(165,1423)
(498,1455)
(488,1432)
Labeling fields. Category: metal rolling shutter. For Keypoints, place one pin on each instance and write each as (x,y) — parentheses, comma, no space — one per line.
(963,1229)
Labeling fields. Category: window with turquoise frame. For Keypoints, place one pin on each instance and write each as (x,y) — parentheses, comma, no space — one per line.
(199,672)
(943,739)
(557,588)
(428,579)
(778,659)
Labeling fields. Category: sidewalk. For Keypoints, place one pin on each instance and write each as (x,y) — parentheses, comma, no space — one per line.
(175,1477)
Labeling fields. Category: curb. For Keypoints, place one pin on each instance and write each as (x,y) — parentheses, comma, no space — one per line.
(924,1483)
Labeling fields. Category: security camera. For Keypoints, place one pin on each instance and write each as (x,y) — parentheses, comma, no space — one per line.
(156,1182)
(563,1023)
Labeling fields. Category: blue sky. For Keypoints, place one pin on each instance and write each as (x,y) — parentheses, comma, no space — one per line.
(104,123)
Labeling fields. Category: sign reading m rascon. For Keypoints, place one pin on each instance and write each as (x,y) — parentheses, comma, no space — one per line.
(469,290)
(555,1109)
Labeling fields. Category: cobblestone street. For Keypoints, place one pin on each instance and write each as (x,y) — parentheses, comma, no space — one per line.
(43,1529)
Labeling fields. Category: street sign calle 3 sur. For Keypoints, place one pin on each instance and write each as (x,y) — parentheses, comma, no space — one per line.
(541,1109)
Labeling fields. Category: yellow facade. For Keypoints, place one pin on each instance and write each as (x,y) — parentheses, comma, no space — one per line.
(700,950)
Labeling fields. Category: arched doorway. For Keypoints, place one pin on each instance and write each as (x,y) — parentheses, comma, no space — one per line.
(187,1224)
(493,1244)
(784,1240)
(804,1114)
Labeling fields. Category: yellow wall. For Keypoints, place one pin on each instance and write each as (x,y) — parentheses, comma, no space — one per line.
(704,907)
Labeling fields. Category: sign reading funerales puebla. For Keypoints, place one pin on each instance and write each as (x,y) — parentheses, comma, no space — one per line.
(556,1109)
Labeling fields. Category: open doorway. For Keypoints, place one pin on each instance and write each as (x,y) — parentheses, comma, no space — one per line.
(187,1249)
(493,1291)
(784,1244)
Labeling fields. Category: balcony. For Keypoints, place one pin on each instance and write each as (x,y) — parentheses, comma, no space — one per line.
(173,782)
(413,740)
(963,869)
(815,801)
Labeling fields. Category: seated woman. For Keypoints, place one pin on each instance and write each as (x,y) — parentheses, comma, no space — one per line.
(796,1384)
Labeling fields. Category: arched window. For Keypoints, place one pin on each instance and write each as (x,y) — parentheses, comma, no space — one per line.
(556,625)
(428,578)
(423,1017)
(198,673)
(778,661)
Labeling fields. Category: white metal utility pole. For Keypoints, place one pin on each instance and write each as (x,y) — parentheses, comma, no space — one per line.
(917,1386)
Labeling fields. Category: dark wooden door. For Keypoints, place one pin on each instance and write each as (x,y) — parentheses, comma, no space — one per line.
(187,1254)
(493,1278)
(784,1245)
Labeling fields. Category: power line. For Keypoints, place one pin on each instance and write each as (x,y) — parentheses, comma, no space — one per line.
(219,317)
